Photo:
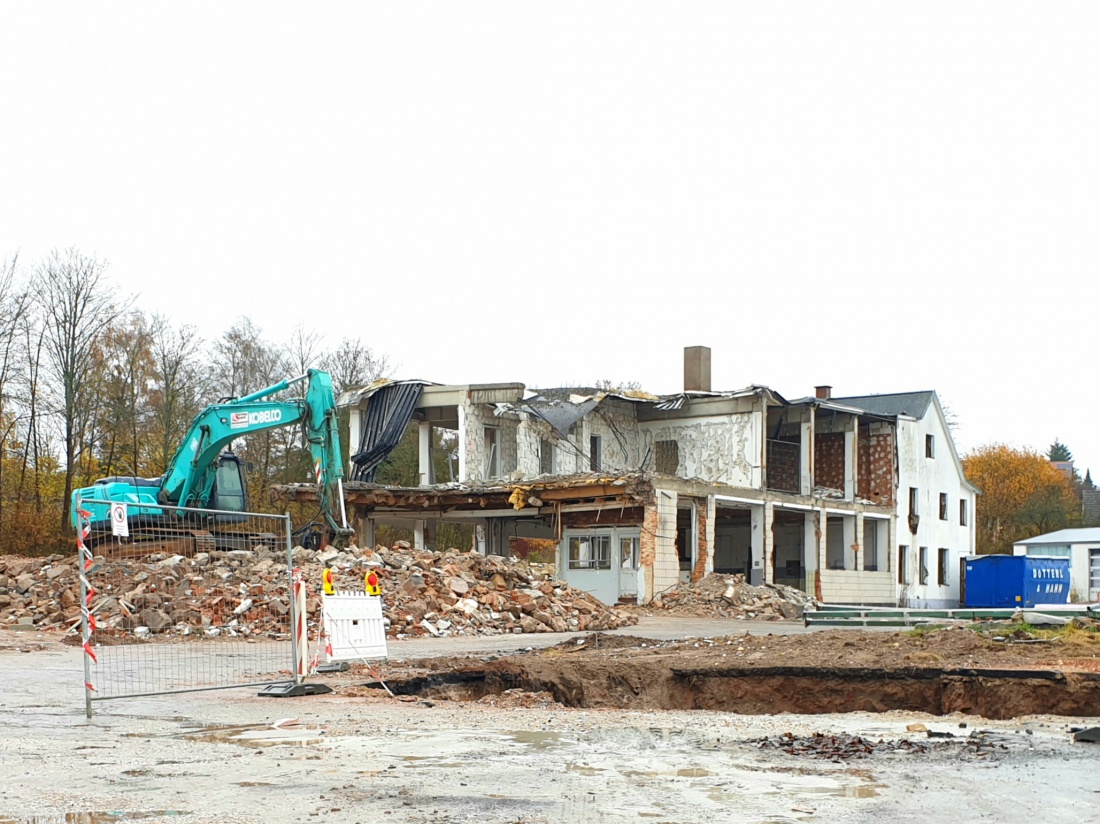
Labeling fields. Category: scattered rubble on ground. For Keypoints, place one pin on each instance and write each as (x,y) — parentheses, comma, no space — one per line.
(245,592)
(837,747)
(731,596)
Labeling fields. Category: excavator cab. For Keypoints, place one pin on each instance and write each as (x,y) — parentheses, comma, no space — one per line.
(229,493)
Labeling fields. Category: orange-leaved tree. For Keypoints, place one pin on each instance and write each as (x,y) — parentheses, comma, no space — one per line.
(1022,495)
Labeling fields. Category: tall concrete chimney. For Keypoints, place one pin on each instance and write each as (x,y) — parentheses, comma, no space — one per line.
(823,392)
(696,368)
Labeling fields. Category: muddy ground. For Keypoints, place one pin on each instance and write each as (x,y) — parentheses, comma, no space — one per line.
(520,756)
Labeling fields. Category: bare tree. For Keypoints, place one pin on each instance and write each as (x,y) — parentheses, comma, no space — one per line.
(302,351)
(13,308)
(179,386)
(353,364)
(77,308)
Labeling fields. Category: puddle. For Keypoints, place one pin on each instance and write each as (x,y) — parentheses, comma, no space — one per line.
(99,817)
(694,772)
(862,791)
(583,769)
(260,735)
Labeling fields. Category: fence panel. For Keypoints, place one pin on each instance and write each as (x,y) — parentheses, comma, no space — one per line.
(187,600)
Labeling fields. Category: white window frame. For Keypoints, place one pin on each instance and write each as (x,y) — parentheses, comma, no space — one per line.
(588,560)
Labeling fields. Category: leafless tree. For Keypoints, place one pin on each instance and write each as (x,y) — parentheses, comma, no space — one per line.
(180,385)
(77,308)
(354,364)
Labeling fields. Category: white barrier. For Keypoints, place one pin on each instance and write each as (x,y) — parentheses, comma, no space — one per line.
(354,627)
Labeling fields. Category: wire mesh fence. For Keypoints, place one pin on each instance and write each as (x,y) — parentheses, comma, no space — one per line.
(187,599)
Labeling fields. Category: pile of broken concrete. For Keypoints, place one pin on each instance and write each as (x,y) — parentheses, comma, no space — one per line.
(246,593)
(466,593)
(731,596)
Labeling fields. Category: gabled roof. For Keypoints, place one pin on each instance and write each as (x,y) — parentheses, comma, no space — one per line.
(915,404)
(1089,535)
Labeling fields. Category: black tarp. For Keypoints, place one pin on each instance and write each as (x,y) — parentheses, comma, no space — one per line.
(388,412)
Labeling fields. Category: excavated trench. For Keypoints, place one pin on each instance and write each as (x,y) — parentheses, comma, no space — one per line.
(649,685)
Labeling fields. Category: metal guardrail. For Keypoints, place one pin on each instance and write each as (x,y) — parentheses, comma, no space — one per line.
(860,616)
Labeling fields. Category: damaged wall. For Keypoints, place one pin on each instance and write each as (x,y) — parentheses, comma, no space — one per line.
(829,454)
(616,424)
(721,449)
(877,450)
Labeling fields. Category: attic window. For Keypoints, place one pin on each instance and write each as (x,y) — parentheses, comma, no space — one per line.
(667,456)
(929,446)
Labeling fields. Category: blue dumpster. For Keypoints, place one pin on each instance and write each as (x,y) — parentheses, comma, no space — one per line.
(1010,581)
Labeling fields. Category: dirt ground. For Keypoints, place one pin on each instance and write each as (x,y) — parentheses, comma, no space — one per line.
(360,755)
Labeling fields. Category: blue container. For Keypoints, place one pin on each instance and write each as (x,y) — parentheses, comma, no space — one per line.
(1015,581)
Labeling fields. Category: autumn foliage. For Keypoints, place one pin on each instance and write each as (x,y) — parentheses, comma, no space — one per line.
(1022,495)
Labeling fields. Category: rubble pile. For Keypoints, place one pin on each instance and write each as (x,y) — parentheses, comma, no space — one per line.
(245,592)
(730,596)
(837,748)
(432,593)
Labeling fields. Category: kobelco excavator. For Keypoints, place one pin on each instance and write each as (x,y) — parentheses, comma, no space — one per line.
(204,475)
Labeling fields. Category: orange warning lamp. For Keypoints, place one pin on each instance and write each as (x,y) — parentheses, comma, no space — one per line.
(371,583)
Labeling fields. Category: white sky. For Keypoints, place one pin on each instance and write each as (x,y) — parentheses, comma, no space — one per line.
(881,196)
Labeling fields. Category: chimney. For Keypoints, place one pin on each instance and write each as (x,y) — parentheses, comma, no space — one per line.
(823,392)
(696,368)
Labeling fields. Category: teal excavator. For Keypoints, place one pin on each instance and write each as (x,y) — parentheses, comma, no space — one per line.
(202,497)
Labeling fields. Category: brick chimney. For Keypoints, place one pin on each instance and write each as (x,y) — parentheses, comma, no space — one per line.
(823,392)
(696,368)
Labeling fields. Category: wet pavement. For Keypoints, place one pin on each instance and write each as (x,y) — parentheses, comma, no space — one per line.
(231,756)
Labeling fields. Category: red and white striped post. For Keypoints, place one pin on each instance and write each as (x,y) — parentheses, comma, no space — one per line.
(301,639)
(87,592)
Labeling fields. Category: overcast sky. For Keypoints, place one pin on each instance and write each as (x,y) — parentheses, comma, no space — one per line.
(881,196)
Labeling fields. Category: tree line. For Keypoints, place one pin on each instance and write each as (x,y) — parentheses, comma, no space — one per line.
(92,386)
(1022,494)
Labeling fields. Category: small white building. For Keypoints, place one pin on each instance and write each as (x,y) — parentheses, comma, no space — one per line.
(1082,547)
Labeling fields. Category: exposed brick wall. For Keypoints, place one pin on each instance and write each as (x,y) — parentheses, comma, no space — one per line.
(647,545)
(829,460)
(631,516)
(783,465)
(876,464)
(700,570)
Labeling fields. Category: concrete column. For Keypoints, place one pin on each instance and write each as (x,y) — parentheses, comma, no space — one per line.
(850,538)
(756,572)
(769,543)
(418,534)
(806,455)
(364,533)
(851,459)
(810,550)
(861,524)
(462,442)
(426,478)
(353,432)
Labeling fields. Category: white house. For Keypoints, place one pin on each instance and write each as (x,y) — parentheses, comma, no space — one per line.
(1082,547)
(935,504)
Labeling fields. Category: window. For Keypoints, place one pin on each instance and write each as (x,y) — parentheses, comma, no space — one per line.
(590,552)
(962,512)
(628,553)
(943,506)
(546,457)
(595,450)
(667,455)
(492,453)
(903,571)
(1094,569)
(914,498)
(923,571)
(945,559)
(929,446)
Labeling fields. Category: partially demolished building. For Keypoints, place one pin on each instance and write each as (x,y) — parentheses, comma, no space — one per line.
(854,500)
